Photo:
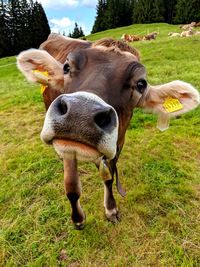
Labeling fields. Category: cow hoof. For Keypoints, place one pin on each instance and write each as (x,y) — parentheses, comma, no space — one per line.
(113,216)
(79,226)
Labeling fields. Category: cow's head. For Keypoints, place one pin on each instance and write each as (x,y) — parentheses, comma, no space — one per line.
(91,90)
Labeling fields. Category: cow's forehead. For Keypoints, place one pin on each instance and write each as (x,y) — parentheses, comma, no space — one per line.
(101,54)
(116,52)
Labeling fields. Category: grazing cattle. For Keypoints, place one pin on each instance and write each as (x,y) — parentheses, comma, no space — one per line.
(150,36)
(188,26)
(174,34)
(197,24)
(90,92)
(131,38)
(187,33)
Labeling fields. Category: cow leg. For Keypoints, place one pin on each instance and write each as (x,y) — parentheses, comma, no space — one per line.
(73,192)
(110,206)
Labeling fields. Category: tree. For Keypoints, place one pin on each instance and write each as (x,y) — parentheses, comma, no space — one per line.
(156,11)
(77,32)
(23,24)
(187,11)
(101,22)
(169,10)
(181,11)
(112,14)
(19,25)
(4,40)
(39,25)
(193,10)
(125,12)
(140,11)
(148,11)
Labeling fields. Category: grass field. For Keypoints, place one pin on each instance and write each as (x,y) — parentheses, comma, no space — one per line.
(160,172)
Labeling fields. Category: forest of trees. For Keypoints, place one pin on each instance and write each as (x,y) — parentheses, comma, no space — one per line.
(118,13)
(77,32)
(23,24)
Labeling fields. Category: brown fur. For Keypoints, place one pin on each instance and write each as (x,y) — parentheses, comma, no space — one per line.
(122,46)
(59,46)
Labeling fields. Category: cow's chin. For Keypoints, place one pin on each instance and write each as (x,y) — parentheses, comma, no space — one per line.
(68,149)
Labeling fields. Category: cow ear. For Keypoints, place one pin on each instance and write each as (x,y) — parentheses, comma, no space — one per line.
(39,66)
(170,100)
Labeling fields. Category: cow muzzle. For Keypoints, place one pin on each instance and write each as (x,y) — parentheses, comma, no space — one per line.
(81,125)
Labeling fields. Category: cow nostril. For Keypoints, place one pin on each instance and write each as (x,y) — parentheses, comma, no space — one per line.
(103,119)
(62,107)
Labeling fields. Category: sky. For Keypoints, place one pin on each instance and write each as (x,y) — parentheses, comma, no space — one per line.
(62,14)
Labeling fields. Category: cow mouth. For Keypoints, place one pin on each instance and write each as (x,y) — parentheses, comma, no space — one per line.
(70,149)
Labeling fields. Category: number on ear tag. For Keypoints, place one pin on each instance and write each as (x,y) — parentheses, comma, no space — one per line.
(172,104)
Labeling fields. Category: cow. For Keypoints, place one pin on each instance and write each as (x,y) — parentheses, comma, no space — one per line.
(174,34)
(188,26)
(197,24)
(131,38)
(187,33)
(150,36)
(90,90)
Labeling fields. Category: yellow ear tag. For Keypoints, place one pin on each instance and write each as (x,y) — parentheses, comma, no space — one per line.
(43,86)
(172,104)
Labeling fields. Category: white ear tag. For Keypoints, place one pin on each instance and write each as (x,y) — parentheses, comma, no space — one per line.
(163,122)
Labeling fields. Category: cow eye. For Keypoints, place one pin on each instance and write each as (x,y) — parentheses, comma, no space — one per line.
(66,68)
(141,86)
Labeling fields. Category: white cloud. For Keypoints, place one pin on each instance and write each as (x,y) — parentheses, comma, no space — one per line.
(59,3)
(68,3)
(60,25)
(65,25)
(89,3)
(64,22)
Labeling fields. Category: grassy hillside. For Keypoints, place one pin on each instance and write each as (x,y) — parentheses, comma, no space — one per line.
(159,171)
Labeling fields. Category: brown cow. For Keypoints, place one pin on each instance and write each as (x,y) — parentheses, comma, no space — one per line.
(131,38)
(91,91)
(150,36)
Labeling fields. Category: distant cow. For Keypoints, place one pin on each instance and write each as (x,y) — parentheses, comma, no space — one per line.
(197,24)
(174,34)
(131,38)
(90,91)
(150,36)
(188,26)
(187,33)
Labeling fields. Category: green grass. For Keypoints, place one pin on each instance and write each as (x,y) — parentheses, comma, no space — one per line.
(160,172)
